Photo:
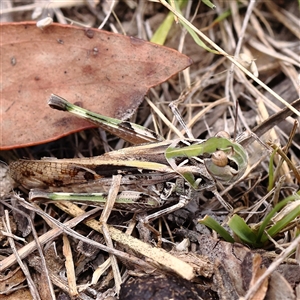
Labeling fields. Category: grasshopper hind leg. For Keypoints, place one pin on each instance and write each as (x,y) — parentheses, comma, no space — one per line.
(144,222)
(167,193)
(183,201)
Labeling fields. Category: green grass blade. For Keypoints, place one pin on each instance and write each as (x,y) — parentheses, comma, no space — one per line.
(127,131)
(282,223)
(214,225)
(160,35)
(197,40)
(267,219)
(271,170)
(242,230)
(209,4)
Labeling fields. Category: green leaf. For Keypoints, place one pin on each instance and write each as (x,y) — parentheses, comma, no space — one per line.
(242,230)
(214,225)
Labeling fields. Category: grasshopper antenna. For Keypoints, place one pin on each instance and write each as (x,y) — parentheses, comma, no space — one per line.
(236,119)
(175,111)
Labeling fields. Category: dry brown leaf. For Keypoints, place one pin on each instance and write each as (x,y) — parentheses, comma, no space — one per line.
(105,72)
(258,271)
(279,288)
(9,284)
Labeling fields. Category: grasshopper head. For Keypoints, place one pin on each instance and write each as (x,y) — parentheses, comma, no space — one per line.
(224,160)
(228,163)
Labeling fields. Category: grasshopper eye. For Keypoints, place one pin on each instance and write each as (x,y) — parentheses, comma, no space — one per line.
(219,158)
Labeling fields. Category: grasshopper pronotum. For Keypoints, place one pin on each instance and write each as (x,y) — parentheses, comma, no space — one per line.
(152,173)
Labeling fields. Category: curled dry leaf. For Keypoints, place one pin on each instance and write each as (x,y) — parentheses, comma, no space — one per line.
(107,73)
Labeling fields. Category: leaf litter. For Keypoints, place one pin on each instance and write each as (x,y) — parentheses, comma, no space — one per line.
(225,270)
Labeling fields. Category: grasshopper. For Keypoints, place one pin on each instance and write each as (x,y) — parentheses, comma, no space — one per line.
(153,173)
